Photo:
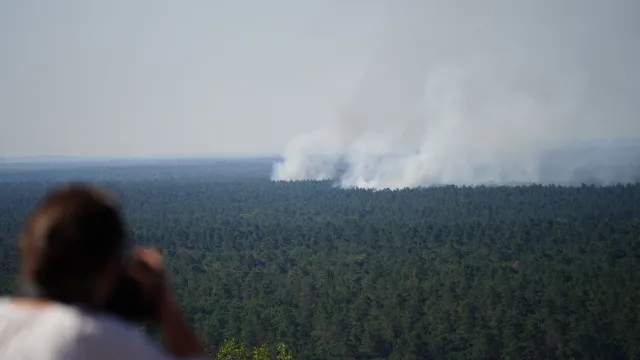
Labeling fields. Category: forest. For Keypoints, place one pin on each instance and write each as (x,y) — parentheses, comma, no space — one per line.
(519,272)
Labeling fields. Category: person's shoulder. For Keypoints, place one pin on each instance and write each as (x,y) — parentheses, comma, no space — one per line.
(70,332)
(5,303)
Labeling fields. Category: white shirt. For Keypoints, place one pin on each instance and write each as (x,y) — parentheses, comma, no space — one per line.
(60,332)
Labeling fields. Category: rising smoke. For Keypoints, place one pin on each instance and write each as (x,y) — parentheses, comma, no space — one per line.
(487,92)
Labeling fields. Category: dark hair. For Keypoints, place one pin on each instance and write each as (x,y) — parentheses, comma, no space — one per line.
(69,240)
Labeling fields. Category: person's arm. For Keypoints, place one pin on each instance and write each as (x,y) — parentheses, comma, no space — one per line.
(109,338)
(180,339)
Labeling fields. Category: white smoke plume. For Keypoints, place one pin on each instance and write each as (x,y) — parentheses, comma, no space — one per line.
(485,92)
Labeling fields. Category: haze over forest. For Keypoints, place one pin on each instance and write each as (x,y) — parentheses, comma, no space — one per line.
(377,94)
(501,92)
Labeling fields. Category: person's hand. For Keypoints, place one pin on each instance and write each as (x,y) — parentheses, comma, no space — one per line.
(151,258)
(149,270)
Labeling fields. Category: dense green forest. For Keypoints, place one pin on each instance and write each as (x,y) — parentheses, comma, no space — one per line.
(530,272)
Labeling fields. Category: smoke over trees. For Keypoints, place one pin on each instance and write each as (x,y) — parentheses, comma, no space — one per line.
(495,92)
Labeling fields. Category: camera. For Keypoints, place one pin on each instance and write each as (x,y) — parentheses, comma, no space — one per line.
(130,301)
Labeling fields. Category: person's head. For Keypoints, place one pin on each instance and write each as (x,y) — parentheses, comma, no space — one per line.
(72,246)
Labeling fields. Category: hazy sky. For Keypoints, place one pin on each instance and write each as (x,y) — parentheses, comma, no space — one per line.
(136,78)
(156,77)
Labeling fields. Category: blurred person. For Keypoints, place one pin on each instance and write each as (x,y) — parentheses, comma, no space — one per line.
(73,258)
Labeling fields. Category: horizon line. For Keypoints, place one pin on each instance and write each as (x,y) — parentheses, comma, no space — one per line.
(33,159)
